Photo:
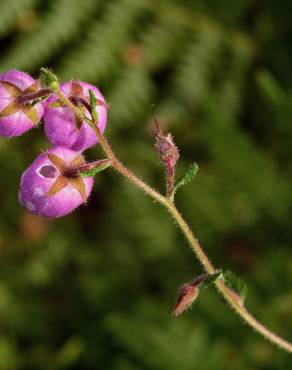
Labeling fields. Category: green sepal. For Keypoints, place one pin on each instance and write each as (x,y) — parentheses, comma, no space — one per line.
(57,104)
(188,177)
(236,284)
(92,102)
(102,165)
(49,79)
(212,278)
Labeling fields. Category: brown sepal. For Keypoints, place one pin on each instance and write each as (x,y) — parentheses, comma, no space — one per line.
(10,109)
(32,88)
(13,90)
(79,185)
(58,185)
(76,89)
(31,113)
(77,161)
(102,103)
(78,122)
(57,162)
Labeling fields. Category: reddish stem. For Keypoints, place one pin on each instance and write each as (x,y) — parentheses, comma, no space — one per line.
(28,97)
(73,172)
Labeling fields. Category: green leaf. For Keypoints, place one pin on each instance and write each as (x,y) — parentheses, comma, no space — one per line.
(235,283)
(188,177)
(92,102)
(211,278)
(100,166)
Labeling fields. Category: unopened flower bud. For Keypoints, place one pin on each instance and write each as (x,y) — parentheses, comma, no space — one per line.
(18,112)
(187,295)
(50,187)
(167,150)
(189,292)
(168,154)
(63,127)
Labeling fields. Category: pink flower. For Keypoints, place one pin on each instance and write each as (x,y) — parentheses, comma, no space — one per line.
(50,187)
(62,127)
(18,113)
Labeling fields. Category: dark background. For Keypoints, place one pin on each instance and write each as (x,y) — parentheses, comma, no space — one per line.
(94,290)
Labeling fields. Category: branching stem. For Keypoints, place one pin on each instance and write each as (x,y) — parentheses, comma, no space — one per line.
(227,293)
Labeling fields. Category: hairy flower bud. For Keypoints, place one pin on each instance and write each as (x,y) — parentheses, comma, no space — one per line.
(168,154)
(18,113)
(187,295)
(167,150)
(189,292)
(63,127)
(50,187)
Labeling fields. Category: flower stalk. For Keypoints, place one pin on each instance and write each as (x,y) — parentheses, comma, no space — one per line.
(168,203)
(41,94)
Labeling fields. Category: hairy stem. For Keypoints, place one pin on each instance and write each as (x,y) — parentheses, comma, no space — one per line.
(29,97)
(169,181)
(227,293)
(222,288)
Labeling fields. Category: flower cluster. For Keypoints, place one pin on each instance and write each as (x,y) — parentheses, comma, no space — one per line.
(52,185)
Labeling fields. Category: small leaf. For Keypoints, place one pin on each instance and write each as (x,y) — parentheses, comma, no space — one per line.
(188,177)
(236,284)
(98,167)
(211,279)
(93,105)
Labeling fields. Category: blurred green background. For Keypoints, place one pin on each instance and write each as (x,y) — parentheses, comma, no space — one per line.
(94,290)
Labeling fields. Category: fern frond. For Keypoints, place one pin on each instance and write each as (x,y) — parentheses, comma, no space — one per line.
(97,53)
(246,168)
(11,12)
(196,64)
(59,25)
(163,40)
(130,95)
